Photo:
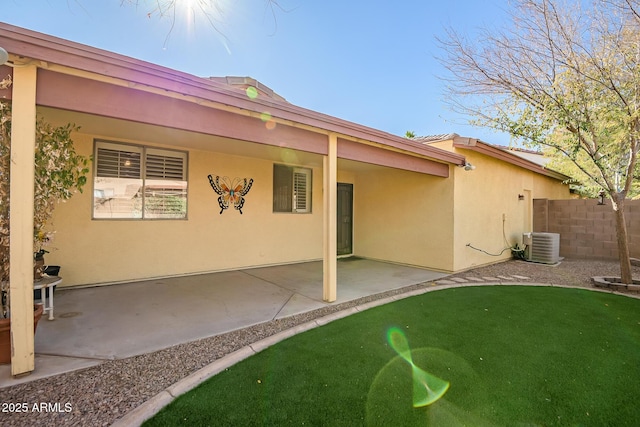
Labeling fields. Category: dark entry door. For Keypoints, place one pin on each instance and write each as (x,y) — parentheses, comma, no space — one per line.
(345,219)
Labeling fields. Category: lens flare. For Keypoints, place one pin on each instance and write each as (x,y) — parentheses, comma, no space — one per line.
(427,388)
(265,117)
(269,123)
(390,396)
(252,92)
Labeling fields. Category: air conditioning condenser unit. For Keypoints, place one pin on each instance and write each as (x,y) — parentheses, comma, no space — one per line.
(542,247)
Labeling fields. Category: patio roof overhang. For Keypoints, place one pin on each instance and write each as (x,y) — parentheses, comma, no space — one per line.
(69,80)
(123,88)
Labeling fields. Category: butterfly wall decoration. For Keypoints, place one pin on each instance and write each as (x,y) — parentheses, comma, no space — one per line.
(230,191)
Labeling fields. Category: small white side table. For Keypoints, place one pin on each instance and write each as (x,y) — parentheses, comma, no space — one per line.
(44,283)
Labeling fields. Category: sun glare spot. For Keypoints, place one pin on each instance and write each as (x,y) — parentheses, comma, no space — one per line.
(191,12)
(185,17)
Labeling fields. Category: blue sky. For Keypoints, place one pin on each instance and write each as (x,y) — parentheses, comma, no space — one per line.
(370,62)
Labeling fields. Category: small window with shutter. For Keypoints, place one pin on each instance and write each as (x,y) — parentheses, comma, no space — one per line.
(291,189)
(134,182)
(165,184)
(302,190)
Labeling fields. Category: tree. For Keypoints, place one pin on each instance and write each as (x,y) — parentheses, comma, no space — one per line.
(582,185)
(562,75)
(59,173)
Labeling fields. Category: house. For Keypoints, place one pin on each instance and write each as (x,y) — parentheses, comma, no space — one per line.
(193,175)
(493,198)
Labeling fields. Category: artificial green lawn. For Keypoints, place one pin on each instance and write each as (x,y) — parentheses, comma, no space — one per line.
(514,355)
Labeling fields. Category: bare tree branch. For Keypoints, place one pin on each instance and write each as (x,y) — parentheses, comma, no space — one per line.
(207,9)
(563,75)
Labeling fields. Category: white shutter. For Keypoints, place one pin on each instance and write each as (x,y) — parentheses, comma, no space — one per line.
(302,190)
(162,164)
(165,184)
(116,161)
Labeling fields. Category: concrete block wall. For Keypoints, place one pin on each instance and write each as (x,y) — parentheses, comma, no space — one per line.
(587,230)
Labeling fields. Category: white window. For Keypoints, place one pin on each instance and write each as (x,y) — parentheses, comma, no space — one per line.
(291,189)
(136,182)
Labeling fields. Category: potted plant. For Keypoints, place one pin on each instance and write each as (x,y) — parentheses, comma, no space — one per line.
(59,173)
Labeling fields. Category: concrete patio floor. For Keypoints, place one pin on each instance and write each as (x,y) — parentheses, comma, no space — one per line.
(113,322)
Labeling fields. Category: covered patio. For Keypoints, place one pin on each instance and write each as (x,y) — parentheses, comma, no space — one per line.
(94,324)
(158,139)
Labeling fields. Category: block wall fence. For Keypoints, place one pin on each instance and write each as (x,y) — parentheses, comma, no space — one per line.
(587,230)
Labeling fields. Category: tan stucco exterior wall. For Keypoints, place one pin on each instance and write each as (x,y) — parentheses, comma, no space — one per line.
(399,216)
(104,251)
(489,214)
(404,217)
(346,177)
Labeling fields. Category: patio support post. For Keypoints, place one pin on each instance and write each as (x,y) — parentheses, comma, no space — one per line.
(23,133)
(329,258)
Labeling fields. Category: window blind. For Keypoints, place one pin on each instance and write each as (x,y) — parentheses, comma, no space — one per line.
(117,163)
(139,182)
(282,188)
(159,166)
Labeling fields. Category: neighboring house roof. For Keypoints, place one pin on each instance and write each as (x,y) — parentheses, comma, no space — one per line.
(527,159)
(532,155)
(244,83)
(62,57)
(435,138)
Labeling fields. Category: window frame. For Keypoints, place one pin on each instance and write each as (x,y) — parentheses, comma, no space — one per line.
(293,200)
(143,177)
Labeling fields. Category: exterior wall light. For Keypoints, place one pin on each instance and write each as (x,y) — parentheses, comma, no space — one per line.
(601,197)
(468,166)
(520,196)
(4,56)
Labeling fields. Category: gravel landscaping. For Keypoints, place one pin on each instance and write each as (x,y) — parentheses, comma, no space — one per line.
(99,395)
